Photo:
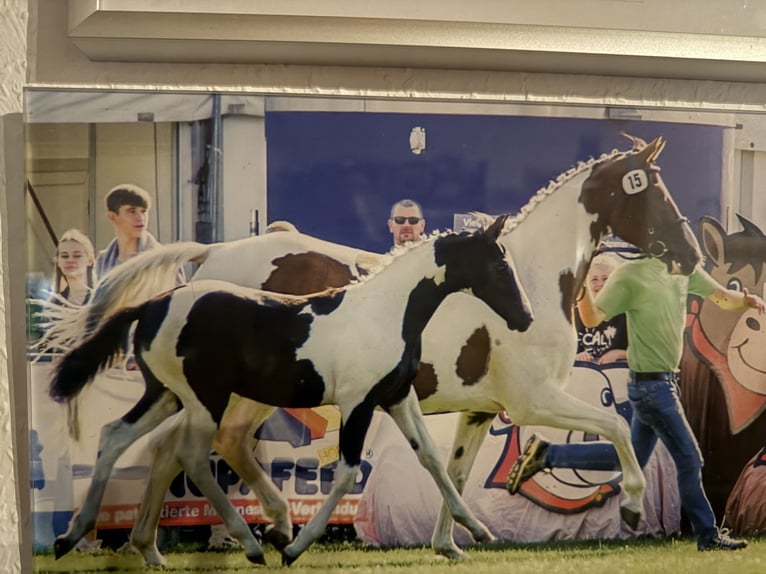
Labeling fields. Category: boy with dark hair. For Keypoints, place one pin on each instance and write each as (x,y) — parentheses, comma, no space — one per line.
(127,208)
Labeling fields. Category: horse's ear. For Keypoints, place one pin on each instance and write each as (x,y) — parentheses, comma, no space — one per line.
(713,239)
(651,151)
(637,142)
(657,146)
(493,231)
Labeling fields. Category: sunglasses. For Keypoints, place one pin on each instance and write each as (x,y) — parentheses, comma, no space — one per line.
(412,220)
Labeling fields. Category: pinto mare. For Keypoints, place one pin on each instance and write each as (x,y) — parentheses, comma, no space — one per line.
(358,348)
(471,363)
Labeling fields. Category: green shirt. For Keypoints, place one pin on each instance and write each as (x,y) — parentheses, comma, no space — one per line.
(654,302)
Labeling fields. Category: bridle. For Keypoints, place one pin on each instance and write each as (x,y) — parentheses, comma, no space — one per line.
(657,248)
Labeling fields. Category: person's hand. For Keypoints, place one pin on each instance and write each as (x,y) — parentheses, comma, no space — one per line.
(753,301)
(584,356)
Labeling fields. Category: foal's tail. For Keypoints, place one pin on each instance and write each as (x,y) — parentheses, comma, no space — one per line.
(80,365)
(130,283)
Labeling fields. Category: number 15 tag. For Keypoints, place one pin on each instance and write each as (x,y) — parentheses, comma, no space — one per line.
(635,181)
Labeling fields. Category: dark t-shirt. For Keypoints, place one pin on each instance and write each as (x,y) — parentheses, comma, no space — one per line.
(596,341)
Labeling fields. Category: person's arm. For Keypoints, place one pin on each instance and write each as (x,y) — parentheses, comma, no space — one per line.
(732,300)
(584,356)
(590,313)
(612,356)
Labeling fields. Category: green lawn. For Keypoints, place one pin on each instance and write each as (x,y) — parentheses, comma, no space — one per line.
(630,557)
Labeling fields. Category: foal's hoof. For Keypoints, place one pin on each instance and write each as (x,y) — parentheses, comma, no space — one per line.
(61,546)
(451,553)
(257,559)
(631,517)
(276,538)
(286,559)
(486,538)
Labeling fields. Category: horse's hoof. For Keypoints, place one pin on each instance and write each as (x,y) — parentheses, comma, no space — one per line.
(484,536)
(287,559)
(162,563)
(630,517)
(276,538)
(257,559)
(451,553)
(154,559)
(61,546)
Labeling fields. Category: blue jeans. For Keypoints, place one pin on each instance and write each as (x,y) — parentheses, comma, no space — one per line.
(657,414)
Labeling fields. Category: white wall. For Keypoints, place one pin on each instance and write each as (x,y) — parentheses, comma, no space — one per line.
(13,62)
(244,174)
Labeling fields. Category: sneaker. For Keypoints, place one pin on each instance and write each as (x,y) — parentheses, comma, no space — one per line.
(721,541)
(85,545)
(220,538)
(530,462)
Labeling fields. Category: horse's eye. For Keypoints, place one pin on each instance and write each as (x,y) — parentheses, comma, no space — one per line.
(734,284)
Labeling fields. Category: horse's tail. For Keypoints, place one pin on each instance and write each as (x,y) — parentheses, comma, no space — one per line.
(80,365)
(130,283)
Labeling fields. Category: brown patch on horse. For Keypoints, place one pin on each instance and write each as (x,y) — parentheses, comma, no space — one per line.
(473,361)
(568,287)
(425,381)
(305,273)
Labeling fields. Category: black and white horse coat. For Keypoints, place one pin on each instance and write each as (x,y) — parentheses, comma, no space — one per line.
(358,348)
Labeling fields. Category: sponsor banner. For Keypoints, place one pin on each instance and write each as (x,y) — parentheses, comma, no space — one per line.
(196,512)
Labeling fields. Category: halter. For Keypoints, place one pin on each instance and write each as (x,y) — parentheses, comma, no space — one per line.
(661,248)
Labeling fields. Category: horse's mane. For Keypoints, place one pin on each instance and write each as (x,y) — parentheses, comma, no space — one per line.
(377,265)
(512,222)
(544,192)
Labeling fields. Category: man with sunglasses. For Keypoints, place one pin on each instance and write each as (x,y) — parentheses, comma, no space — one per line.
(406,222)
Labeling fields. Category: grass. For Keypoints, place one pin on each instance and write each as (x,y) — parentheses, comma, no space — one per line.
(595,557)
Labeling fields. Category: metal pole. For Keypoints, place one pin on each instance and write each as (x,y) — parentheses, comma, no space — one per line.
(214,177)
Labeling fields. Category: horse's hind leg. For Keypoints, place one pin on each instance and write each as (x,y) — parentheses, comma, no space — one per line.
(561,410)
(469,435)
(164,467)
(197,431)
(155,406)
(233,442)
(409,418)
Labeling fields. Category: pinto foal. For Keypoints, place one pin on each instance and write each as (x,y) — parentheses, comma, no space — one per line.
(358,348)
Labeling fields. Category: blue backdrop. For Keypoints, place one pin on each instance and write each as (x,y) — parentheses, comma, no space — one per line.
(336,174)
